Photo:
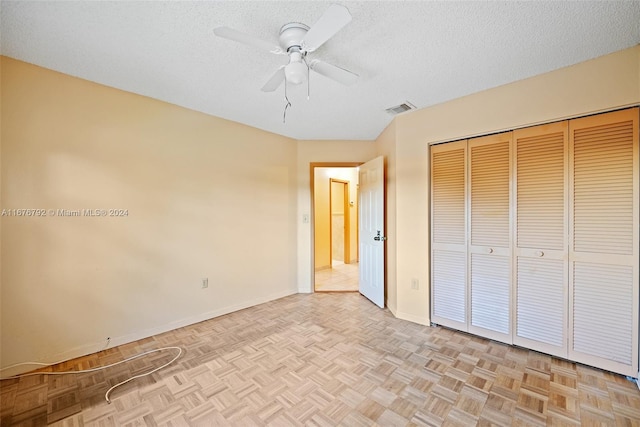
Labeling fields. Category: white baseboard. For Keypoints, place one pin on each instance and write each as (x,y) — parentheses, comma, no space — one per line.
(413,318)
(393,310)
(305,290)
(94,347)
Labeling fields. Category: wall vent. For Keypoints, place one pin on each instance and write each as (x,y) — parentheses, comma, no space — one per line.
(405,106)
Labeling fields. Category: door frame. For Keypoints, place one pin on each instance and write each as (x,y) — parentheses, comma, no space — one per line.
(312,168)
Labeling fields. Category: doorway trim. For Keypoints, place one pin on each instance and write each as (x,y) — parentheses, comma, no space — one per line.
(312,167)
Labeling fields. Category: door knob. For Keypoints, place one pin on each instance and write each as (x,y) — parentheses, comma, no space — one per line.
(379,237)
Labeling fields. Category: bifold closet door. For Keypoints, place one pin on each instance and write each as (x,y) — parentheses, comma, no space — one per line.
(448,235)
(603,251)
(490,236)
(540,264)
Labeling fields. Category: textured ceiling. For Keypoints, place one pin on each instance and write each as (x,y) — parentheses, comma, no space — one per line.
(422,52)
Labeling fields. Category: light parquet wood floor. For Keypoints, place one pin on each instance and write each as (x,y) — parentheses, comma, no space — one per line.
(323,360)
(340,277)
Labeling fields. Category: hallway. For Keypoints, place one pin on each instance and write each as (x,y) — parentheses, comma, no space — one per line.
(340,278)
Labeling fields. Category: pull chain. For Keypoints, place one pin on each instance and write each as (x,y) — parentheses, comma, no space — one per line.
(287,105)
(308,80)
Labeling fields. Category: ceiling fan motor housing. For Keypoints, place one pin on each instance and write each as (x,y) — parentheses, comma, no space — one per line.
(291,36)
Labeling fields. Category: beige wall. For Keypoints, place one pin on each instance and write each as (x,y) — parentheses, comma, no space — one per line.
(318,151)
(605,83)
(205,198)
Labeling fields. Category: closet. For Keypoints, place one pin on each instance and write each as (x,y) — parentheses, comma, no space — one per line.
(534,238)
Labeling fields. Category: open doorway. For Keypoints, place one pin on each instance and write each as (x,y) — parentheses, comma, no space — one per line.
(335,221)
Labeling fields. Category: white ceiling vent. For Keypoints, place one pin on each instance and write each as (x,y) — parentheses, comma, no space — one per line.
(405,106)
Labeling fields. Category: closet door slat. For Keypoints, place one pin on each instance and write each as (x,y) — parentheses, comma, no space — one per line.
(490,192)
(449,278)
(541,304)
(603,312)
(540,172)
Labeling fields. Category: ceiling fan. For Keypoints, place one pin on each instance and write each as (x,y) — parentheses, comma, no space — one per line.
(297,40)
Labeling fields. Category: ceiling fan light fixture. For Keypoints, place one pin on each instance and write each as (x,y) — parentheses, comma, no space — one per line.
(296,71)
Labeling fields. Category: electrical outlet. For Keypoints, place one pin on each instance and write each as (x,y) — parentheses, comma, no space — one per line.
(415,283)
(205,283)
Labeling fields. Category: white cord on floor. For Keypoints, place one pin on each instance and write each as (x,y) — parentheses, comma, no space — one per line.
(106,395)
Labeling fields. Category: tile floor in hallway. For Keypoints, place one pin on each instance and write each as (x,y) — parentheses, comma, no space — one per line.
(323,359)
(341,277)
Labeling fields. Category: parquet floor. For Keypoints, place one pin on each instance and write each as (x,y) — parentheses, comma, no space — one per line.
(341,278)
(324,360)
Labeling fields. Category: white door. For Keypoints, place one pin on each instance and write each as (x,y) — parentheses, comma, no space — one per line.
(603,236)
(489,245)
(540,237)
(448,235)
(371,230)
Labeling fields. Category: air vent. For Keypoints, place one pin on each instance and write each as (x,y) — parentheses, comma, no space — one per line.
(405,106)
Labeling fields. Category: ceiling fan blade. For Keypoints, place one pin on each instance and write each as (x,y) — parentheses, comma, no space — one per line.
(235,35)
(327,26)
(275,81)
(335,73)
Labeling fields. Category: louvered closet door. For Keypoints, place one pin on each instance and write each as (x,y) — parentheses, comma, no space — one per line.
(448,235)
(489,249)
(603,254)
(540,265)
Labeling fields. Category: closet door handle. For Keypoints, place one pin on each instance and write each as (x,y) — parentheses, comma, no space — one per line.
(490,250)
(540,253)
